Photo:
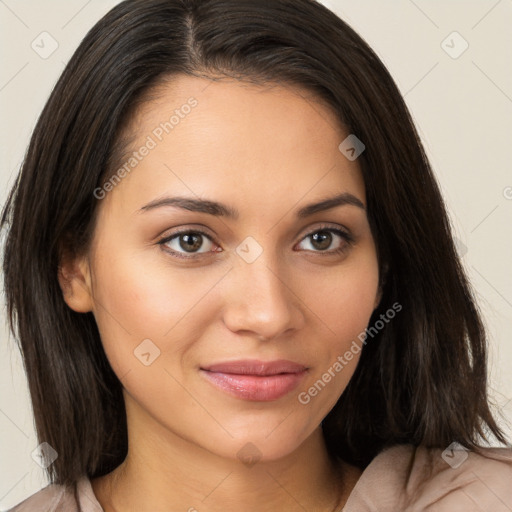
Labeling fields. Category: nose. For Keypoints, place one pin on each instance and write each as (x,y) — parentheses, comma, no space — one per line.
(261,302)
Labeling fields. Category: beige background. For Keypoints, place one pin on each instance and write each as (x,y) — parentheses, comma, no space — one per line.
(462,105)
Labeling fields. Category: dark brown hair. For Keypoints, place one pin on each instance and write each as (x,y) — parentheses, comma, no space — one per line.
(421,380)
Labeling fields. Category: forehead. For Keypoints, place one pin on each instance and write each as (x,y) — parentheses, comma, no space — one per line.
(227,138)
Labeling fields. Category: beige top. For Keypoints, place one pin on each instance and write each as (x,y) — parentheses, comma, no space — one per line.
(400,479)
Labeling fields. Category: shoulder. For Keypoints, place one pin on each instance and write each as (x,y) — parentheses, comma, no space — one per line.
(456,479)
(56,498)
(449,480)
(49,499)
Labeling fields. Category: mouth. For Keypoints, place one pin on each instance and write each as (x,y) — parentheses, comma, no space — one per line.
(255,380)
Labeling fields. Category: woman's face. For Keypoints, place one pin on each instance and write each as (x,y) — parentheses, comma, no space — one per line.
(276,281)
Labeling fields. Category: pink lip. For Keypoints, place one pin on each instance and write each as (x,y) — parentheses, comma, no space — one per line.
(256,380)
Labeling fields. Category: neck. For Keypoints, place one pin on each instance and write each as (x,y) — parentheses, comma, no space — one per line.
(164,472)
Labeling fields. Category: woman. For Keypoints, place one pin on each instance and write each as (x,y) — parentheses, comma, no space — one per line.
(237,288)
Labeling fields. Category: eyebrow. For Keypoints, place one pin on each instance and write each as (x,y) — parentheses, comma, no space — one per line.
(221,210)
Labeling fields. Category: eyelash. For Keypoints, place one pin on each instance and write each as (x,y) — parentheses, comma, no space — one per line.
(343,234)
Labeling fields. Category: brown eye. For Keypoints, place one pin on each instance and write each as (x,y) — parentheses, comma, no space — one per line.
(187,242)
(322,239)
(190,242)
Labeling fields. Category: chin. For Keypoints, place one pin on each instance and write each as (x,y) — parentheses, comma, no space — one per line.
(270,442)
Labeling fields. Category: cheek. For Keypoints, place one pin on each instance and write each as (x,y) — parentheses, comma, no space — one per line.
(343,303)
(139,298)
(345,299)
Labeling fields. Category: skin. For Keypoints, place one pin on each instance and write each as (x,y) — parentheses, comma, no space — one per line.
(266,151)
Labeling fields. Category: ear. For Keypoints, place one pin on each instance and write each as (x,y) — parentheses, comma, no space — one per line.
(75,282)
(382,282)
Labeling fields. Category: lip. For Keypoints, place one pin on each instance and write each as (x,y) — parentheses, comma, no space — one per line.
(256,380)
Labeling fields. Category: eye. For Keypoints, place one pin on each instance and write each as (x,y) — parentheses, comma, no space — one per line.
(188,241)
(322,238)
